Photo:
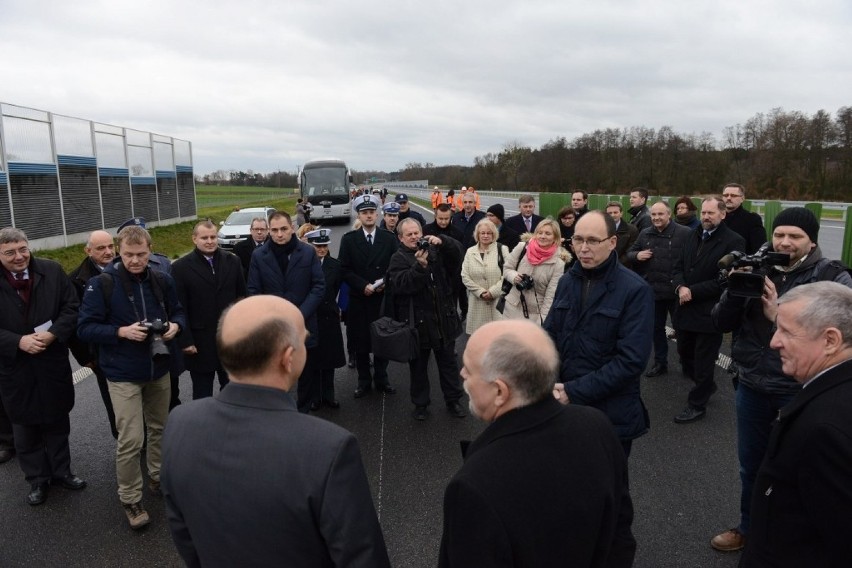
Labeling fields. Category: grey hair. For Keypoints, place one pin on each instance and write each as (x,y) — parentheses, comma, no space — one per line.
(399,227)
(827,304)
(12,235)
(530,373)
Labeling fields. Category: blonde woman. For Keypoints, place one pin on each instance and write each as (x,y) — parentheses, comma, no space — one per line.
(534,269)
(482,275)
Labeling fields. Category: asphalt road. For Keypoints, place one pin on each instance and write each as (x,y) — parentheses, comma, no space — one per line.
(684,481)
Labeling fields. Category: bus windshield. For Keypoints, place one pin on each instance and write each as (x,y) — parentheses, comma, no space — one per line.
(320,182)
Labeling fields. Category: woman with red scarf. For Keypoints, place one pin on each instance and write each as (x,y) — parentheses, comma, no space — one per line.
(534,269)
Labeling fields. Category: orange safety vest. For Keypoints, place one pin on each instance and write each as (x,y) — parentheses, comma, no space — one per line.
(437,199)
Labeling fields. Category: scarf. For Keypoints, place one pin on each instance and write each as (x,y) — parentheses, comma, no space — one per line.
(536,254)
(685,219)
(282,252)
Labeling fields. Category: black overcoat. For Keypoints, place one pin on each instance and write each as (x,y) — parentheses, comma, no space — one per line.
(328,317)
(37,389)
(204,295)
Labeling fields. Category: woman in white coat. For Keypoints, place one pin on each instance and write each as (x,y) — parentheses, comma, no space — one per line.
(482,276)
(541,258)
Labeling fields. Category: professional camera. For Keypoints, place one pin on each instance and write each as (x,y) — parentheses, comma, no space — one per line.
(526,283)
(156,329)
(749,284)
(423,243)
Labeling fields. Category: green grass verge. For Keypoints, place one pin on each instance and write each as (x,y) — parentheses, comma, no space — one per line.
(215,203)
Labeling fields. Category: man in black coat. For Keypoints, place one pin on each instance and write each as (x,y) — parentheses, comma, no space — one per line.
(100,252)
(422,286)
(544,485)
(405,210)
(745,223)
(245,248)
(328,322)
(39,308)
(208,280)
(638,208)
(802,498)
(288,268)
(625,233)
(248,481)
(466,220)
(526,221)
(364,257)
(653,256)
(696,283)
(505,234)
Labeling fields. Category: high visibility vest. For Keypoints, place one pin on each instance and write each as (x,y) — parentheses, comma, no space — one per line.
(437,199)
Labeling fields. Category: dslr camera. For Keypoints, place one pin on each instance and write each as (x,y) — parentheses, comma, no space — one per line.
(526,283)
(423,243)
(156,329)
(749,284)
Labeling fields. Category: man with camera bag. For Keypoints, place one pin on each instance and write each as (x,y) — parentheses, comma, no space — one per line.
(418,276)
(762,387)
(130,311)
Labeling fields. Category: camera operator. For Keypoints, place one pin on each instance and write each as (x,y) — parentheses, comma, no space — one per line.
(129,311)
(763,388)
(418,275)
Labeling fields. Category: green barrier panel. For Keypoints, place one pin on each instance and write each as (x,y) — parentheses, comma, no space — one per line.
(846,255)
(598,201)
(815,208)
(549,204)
(770,210)
(625,203)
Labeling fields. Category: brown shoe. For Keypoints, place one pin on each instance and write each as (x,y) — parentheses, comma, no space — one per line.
(154,488)
(137,516)
(729,541)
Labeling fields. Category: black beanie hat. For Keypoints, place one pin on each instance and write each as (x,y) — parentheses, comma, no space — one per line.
(798,217)
(498,211)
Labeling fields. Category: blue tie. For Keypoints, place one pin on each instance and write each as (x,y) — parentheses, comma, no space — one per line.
(705,236)
(369,239)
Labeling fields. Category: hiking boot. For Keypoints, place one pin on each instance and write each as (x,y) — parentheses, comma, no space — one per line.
(137,516)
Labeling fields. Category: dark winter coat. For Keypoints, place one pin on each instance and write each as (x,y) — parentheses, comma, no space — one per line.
(749,226)
(759,365)
(697,269)
(467,227)
(516,223)
(123,360)
(605,345)
(328,317)
(204,295)
(430,289)
(667,246)
(303,285)
(244,249)
(37,389)
(83,352)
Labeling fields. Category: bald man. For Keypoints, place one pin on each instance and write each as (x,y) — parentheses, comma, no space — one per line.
(247,467)
(545,484)
(100,252)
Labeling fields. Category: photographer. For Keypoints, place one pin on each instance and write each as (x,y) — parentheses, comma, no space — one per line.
(129,311)
(534,269)
(418,276)
(763,388)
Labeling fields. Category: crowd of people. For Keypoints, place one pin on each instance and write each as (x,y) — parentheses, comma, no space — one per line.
(563,317)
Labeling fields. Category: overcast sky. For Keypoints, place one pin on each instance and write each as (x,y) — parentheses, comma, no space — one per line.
(263,85)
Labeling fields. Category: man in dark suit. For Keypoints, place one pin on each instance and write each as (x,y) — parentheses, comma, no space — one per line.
(745,223)
(696,282)
(625,233)
(245,248)
(526,221)
(288,268)
(328,323)
(466,220)
(208,280)
(545,484)
(364,257)
(100,252)
(802,498)
(295,491)
(39,310)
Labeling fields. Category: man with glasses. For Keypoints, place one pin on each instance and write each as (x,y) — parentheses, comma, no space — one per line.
(746,224)
(602,322)
(245,248)
(39,308)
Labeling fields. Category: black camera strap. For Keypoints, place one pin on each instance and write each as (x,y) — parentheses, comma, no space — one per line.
(156,288)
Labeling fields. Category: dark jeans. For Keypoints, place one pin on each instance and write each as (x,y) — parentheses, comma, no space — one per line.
(662,309)
(43,450)
(756,411)
(698,352)
(202,382)
(448,375)
(380,370)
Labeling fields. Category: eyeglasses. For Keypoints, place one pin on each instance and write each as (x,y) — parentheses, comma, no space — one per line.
(731,195)
(23,251)
(591,241)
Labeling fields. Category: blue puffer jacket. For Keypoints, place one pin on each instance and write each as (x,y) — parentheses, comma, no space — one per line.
(604,347)
(123,360)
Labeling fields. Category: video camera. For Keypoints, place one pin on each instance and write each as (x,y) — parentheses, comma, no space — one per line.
(749,284)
